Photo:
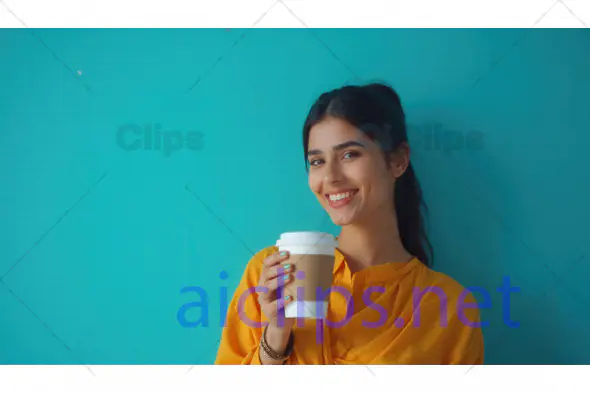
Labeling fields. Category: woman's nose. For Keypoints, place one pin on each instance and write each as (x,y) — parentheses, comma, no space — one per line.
(333,173)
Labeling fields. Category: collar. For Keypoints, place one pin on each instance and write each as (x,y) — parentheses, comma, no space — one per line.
(378,273)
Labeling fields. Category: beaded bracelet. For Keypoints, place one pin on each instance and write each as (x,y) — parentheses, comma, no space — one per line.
(273,354)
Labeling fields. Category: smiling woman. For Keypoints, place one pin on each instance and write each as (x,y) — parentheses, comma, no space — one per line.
(358,161)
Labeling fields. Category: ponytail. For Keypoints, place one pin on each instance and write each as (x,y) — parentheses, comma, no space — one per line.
(408,208)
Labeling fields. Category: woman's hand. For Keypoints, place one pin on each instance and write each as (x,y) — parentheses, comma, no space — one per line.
(275,273)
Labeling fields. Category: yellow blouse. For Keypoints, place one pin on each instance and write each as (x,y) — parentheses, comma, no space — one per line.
(398,313)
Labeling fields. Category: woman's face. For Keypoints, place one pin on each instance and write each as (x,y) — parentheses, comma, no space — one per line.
(348,173)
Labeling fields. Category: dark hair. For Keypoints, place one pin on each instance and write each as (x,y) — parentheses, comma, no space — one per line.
(376,110)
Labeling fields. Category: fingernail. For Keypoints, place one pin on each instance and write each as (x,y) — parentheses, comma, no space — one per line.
(287,265)
(286,277)
(287,297)
(283,253)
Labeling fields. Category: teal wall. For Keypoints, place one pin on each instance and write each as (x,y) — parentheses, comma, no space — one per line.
(98,241)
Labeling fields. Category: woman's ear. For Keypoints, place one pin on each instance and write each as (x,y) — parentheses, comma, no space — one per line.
(400,160)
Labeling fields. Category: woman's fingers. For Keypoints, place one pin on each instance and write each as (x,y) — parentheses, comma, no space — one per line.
(278,271)
(278,281)
(273,266)
(275,258)
(275,273)
(271,286)
(273,308)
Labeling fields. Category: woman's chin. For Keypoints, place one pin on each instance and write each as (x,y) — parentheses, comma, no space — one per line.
(342,218)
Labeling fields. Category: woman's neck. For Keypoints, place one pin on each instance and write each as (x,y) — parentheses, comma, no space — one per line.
(372,244)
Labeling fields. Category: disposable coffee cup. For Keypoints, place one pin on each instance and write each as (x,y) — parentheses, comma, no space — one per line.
(312,254)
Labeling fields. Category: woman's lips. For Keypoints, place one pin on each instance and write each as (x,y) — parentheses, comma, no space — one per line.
(348,195)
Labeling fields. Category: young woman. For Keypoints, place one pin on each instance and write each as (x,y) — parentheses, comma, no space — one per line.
(399,311)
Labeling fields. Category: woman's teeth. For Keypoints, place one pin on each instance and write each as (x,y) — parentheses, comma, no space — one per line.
(337,197)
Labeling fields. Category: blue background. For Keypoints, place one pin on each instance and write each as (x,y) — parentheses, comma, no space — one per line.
(97,242)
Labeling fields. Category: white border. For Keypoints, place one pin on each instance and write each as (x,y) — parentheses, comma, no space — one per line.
(341,379)
(294,13)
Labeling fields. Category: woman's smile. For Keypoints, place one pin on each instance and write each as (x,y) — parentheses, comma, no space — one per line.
(339,199)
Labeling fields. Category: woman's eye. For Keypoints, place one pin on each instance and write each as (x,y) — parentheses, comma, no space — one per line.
(315,162)
(351,154)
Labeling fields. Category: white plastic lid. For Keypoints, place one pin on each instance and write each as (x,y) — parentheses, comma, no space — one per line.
(307,238)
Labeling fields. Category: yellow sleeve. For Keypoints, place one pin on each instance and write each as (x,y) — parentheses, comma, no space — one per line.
(466,345)
(240,337)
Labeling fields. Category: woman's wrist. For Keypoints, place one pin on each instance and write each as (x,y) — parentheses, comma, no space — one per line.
(275,344)
(278,337)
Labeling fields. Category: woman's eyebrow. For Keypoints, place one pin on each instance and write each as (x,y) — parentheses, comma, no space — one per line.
(339,146)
